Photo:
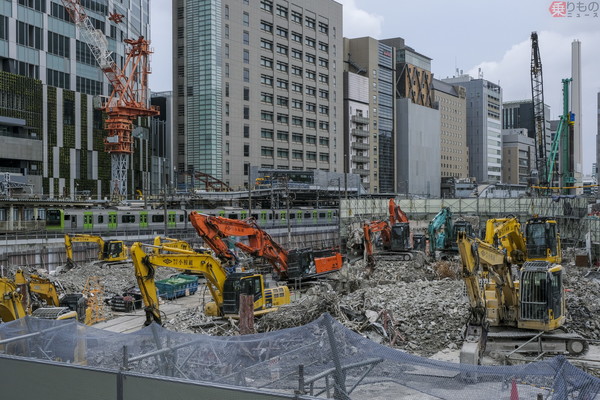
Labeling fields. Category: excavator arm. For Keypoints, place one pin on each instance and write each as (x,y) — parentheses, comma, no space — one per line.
(369,229)
(260,244)
(396,213)
(11,306)
(160,241)
(145,263)
(439,240)
(506,233)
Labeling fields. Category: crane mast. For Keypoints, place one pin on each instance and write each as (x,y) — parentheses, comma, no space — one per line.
(537,95)
(129,97)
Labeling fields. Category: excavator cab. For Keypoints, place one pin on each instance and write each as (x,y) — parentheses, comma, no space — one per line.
(400,237)
(541,296)
(252,284)
(460,225)
(114,250)
(542,240)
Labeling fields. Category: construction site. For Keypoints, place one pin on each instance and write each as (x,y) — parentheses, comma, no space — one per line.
(426,299)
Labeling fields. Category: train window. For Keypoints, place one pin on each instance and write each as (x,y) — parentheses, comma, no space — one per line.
(53,217)
(158,218)
(306,215)
(322,215)
(233,216)
(181,219)
(255,216)
(128,219)
(292,216)
(67,217)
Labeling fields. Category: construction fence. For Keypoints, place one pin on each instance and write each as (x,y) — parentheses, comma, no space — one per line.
(322,359)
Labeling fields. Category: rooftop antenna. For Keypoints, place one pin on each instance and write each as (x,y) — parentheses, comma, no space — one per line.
(480,74)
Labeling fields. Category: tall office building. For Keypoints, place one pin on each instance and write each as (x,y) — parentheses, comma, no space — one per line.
(48,82)
(417,145)
(484,107)
(257,84)
(370,126)
(451,100)
(518,156)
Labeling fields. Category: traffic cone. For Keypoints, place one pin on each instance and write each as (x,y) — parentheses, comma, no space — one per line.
(514,393)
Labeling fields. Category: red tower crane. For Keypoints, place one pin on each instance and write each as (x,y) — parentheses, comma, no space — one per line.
(129,97)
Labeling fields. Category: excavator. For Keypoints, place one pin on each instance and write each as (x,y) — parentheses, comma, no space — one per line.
(35,296)
(541,241)
(513,316)
(443,232)
(160,241)
(108,251)
(225,289)
(287,264)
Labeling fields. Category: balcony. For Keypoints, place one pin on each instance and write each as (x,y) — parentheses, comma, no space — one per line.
(360,146)
(359,159)
(360,171)
(359,132)
(359,119)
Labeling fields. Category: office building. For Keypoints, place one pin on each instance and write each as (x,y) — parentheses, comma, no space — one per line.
(49,80)
(257,84)
(484,105)
(451,101)
(518,156)
(369,117)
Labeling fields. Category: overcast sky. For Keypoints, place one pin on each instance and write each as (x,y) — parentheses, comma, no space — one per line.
(464,35)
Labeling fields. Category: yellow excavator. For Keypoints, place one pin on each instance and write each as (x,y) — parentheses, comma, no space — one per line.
(35,296)
(225,289)
(513,316)
(108,251)
(161,241)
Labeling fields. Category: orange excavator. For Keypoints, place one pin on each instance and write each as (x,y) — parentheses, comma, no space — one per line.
(287,264)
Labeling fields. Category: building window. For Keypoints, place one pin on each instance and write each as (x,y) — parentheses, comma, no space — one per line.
(246,131)
(323,78)
(309,42)
(297,154)
(311,74)
(283,153)
(324,157)
(297,138)
(323,62)
(297,121)
(246,170)
(324,94)
(297,17)
(310,139)
(266,5)
(266,151)
(246,112)
(310,58)
(297,87)
(282,84)
(281,49)
(266,133)
(266,80)
(323,28)
(323,110)
(297,104)
(323,47)
(297,54)
(58,79)
(246,150)
(266,116)
(311,156)
(323,125)
(282,11)
(283,119)
(226,31)
(282,32)
(297,37)
(226,51)
(282,101)
(266,26)
(282,66)
(266,98)
(246,56)
(58,44)
(226,12)
(246,75)
(296,70)
(311,123)
(311,91)
(311,107)
(310,22)
(246,37)
(246,19)
(246,93)
(266,44)
(29,35)
(283,136)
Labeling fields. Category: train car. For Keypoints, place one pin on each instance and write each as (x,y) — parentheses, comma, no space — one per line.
(127,219)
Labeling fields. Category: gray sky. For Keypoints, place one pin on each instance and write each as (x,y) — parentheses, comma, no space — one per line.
(465,35)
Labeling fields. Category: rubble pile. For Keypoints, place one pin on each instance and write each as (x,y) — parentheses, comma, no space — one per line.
(583,305)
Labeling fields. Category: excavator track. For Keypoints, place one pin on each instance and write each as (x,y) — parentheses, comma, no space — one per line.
(394,256)
(527,341)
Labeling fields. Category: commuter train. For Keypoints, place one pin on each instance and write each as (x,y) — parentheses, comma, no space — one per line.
(124,219)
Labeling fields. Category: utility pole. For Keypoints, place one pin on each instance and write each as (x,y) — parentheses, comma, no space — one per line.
(249,193)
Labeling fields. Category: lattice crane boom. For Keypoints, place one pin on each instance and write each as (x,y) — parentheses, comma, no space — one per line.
(537,95)
(129,98)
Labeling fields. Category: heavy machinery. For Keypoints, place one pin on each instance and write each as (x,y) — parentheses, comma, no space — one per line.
(37,297)
(540,242)
(129,98)
(160,241)
(287,264)
(443,232)
(513,316)
(225,289)
(537,96)
(400,235)
(108,251)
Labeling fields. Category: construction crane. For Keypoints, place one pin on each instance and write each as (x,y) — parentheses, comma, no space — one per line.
(537,95)
(129,97)
(562,143)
